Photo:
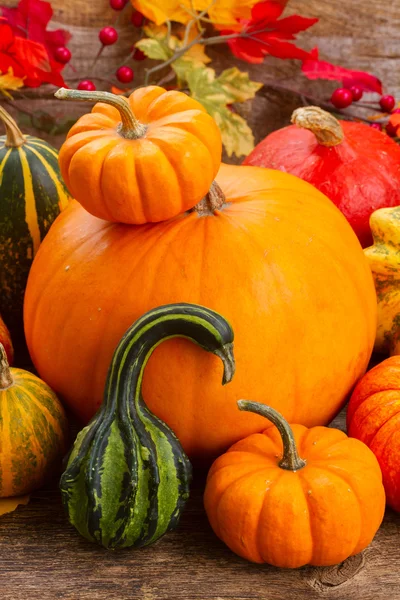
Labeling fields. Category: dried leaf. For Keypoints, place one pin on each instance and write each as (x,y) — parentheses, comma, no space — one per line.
(8,505)
(9,82)
(215,96)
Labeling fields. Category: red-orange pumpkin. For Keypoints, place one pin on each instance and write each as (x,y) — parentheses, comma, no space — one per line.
(373,417)
(276,258)
(5,339)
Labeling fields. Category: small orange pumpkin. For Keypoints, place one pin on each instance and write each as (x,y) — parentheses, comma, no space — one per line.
(275,507)
(143,159)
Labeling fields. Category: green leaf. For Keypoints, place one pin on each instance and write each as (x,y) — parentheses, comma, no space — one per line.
(238,85)
(154,48)
(215,93)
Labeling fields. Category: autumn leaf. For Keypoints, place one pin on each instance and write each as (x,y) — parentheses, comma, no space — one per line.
(8,82)
(222,13)
(160,46)
(8,505)
(313,68)
(215,94)
(265,33)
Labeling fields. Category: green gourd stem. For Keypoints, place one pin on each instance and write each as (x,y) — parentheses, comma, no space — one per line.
(322,124)
(131,128)
(14,136)
(212,201)
(6,379)
(291,460)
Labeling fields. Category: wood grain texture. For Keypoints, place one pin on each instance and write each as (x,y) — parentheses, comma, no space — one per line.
(42,556)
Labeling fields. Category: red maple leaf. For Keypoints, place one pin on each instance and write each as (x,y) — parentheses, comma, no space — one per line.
(313,68)
(28,59)
(29,20)
(266,34)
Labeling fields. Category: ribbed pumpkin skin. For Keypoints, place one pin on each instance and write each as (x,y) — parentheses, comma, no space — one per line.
(5,339)
(319,515)
(359,175)
(373,416)
(32,434)
(127,478)
(278,260)
(32,194)
(155,177)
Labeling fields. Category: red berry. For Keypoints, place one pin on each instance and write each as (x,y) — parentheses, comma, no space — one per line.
(86,85)
(377,126)
(124,74)
(356,92)
(341,98)
(62,55)
(396,111)
(387,103)
(391,129)
(137,18)
(139,55)
(108,36)
(117,4)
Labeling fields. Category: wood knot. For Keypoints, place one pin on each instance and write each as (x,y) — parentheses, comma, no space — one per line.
(325,578)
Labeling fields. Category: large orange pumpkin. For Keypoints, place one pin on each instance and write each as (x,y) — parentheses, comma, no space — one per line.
(278,259)
(143,159)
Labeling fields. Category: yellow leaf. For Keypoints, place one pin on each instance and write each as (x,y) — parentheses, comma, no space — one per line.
(197,51)
(8,505)
(223,13)
(9,82)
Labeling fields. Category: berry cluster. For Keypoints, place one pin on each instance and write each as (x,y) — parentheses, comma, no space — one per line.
(343,97)
(108,36)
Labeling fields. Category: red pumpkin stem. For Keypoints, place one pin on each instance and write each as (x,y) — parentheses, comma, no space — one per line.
(211,202)
(291,460)
(323,125)
(14,136)
(130,128)
(6,379)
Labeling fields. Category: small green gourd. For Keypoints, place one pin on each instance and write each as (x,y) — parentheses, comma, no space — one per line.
(127,478)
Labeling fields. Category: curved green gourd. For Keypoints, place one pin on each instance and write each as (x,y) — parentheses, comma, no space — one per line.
(127,478)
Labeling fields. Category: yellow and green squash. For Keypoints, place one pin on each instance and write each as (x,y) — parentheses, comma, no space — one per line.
(384,260)
(127,478)
(32,194)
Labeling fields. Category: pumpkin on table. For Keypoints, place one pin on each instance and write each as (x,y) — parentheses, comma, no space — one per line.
(292,496)
(384,260)
(127,478)
(142,159)
(33,430)
(357,167)
(266,250)
(373,416)
(32,194)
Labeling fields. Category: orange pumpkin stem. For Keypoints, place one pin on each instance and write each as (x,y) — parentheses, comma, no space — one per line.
(323,125)
(14,136)
(291,460)
(6,379)
(130,128)
(211,202)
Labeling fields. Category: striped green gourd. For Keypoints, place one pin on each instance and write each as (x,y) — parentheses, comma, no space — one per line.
(127,478)
(32,194)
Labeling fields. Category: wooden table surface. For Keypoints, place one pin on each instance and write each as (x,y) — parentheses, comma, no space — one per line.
(41,556)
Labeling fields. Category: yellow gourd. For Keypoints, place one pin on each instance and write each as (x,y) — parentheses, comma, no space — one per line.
(384,260)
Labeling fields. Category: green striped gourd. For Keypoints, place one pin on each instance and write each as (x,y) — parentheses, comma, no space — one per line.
(127,478)
(33,430)
(32,194)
